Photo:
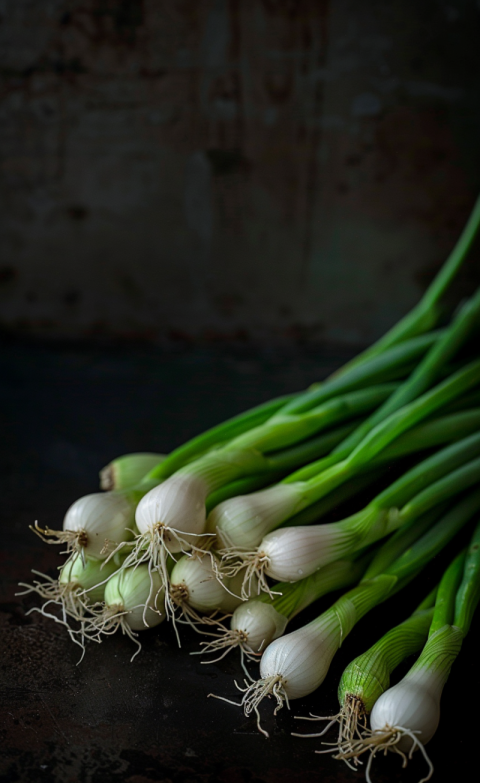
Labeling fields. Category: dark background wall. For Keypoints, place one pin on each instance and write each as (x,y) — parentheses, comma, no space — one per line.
(266,169)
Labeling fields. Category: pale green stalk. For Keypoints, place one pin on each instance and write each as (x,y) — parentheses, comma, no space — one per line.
(127,471)
(426,313)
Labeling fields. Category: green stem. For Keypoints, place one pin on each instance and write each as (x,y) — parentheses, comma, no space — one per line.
(392,365)
(296,596)
(401,540)
(428,471)
(446,429)
(405,418)
(216,435)
(427,312)
(277,464)
(426,373)
(468,594)
(334,499)
(445,604)
(368,675)
(286,429)
(383,434)
(430,544)
(437,432)
(457,481)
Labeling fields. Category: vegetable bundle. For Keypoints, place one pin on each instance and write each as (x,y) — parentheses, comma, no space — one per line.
(232,533)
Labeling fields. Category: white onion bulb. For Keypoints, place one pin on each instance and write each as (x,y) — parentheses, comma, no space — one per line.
(259,622)
(296,552)
(196,576)
(413,704)
(242,521)
(179,505)
(99,519)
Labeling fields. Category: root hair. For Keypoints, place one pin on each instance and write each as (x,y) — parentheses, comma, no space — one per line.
(385,740)
(76,540)
(255,692)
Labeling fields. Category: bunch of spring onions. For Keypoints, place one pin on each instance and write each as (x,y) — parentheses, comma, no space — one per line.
(296,664)
(237,522)
(404,718)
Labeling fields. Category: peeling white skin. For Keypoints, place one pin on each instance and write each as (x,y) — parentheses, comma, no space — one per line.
(296,552)
(260,622)
(413,704)
(302,658)
(178,504)
(242,521)
(104,516)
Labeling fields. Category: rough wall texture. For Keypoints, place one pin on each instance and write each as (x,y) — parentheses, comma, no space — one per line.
(179,168)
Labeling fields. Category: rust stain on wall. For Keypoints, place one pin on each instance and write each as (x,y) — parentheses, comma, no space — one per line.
(270,167)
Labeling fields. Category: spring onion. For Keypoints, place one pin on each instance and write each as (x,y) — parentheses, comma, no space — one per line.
(127,471)
(80,585)
(172,515)
(425,315)
(406,716)
(195,589)
(257,622)
(291,553)
(94,524)
(296,664)
(133,601)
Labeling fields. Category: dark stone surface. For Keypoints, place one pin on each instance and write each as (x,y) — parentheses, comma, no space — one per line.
(65,414)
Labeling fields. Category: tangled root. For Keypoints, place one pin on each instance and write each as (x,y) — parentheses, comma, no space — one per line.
(106,621)
(76,540)
(352,727)
(255,692)
(385,740)
(254,563)
(226,642)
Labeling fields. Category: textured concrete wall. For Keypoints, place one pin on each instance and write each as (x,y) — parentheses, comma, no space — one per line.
(221,168)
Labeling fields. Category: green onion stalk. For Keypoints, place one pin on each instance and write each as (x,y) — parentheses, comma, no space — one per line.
(172,516)
(295,665)
(293,552)
(413,390)
(257,622)
(426,314)
(243,522)
(96,523)
(127,471)
(267,510)
(405,717)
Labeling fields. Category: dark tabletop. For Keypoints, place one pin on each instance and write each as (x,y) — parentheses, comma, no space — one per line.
(66,412)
